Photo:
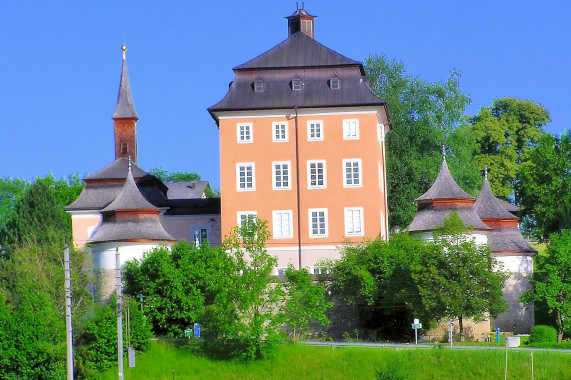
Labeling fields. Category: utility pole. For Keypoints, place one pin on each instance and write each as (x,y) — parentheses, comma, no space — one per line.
(68,319)
(119,313)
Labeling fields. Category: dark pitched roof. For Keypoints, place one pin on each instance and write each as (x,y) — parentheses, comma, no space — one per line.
(103,187)
(508,206)
(186,189)
(444,187)
(298,51)
(430,218)
(487,206)
(129,198)
(125,108)
(144,224)
(509,240)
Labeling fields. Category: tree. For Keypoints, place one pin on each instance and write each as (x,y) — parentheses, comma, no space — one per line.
(459,279)
(424,117)
(505,133)
(247,314)
(544,186)
(305,301)
(553,283)
(376,278)
(166,176)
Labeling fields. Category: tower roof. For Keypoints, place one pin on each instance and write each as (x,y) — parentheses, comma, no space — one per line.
(444,187)
(130,217)
(125,108)
(487,206)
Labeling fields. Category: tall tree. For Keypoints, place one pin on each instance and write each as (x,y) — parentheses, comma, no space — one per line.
(553,283)
(424,117)
(543,189)
(458,280)
(166,176)
(505,133)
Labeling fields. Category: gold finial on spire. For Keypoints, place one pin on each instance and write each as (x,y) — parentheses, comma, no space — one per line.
(123,49)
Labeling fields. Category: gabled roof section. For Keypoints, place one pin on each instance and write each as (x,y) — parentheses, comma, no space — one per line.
(125,108)
(118,170)
(130,198)
(444,187)
(298,51)
(487,206)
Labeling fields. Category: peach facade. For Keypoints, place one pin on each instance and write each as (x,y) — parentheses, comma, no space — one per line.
(335,197)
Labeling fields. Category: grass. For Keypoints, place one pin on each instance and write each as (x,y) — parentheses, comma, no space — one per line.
(303,362)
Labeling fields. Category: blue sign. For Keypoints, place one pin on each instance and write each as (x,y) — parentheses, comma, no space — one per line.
(197,330)
(498,334)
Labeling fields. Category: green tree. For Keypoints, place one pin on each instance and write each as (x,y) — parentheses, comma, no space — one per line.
(305,301)
(424,117)
(505,133)
(11,191)
(553,283)
(460,279)
(544,186)
(376,278)
(247,314)
(166,176)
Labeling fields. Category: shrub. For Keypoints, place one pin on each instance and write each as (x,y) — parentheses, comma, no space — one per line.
(543,334)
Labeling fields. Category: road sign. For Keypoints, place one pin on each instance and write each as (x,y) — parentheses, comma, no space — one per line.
(188,333)
(417,325)
(197,330)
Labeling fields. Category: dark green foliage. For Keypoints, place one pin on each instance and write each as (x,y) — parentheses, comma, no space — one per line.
(305,301)
(543,334)
(543,189)
(376,278)
(424,117)
(552,283)
(505,133)
(166,176)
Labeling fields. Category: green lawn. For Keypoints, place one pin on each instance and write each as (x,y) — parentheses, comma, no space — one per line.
(303,362)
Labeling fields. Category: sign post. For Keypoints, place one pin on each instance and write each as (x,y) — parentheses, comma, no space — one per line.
(450,332)
(416,325)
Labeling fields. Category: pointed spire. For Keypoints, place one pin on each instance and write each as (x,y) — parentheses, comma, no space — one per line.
(444,187)
(444,151)
(486,172)
(488,206)
(125,108)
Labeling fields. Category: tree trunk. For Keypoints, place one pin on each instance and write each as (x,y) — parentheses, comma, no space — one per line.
(559,327)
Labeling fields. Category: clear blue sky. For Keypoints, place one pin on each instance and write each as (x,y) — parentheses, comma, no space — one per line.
(61,60)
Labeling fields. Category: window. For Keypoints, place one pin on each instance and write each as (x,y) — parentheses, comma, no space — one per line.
(124,147)
(280,175)
(353,221)
(245,176)
(200,236)
(258,86)
(350,129)
(352,173)
(318,222)
(280,132)
(283,224)
(334,83)
(314,130)
(319,270)
(316,174)
(281,271)
(245,217)
(296,84)
(244,132)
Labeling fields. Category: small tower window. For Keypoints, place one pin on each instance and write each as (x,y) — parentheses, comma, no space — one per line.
(124,147)
(296,84)
(258,86)
(334,83)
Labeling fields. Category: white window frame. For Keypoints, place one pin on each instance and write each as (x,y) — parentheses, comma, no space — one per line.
(351,129)
(280,271)
(248,136)
(316,186)
(238,172)
(350,225)
(315,122)
(347,179)
(274,175)
(275,126)
(326,222)
(246,214)
(278,228)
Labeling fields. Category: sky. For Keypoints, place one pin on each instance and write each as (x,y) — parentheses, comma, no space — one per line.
(60,65)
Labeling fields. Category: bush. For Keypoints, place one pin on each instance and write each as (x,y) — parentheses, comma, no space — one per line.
(543,334)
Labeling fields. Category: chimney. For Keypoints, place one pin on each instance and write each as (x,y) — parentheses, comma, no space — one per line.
(301,21)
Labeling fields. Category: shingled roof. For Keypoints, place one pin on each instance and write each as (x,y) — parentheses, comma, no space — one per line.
(125,108)
(298,57)
(487,206)
(444,187)
(130,217)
